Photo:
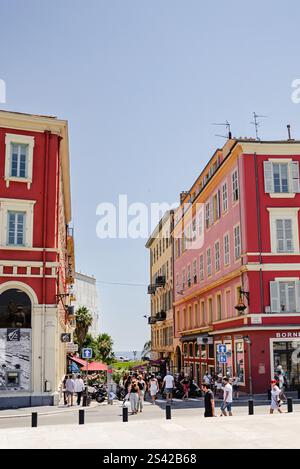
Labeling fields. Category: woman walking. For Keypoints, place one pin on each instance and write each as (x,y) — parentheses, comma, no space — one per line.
(186,387)
(275,399)
(134,394)
(153,388)
(142,386)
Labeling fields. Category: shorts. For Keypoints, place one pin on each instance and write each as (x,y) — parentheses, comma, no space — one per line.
(168,390)
(69,393)
(226,405)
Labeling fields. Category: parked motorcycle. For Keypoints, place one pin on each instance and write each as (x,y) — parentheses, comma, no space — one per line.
(97,392)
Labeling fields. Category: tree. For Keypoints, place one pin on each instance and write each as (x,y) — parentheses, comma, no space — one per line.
(84,320)
(104,347)
(146,349)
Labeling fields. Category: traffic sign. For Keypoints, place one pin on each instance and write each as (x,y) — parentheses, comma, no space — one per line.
(222,358)
(221,348)
(87,353)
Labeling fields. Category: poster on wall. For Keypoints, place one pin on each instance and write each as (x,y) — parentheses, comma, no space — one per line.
(15,359)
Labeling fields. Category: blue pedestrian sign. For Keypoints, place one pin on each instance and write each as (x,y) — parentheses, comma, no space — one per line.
(86,353)
(222,358)
(221,348)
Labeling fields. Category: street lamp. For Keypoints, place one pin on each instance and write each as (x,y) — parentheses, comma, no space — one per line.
(248,341)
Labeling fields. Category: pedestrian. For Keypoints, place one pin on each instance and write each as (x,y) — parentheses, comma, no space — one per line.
(206,378)
(79,388)
(227,398)
(70,389)
(64,390)
(235,387)
(281,383)
(186,387)
(209,401)
(134,394)
(142,386)
(153,388)
(168,383)
(275,397)
(219,386)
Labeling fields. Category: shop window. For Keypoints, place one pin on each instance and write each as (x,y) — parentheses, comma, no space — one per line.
(211,351)
(185,350)
(191,352)
(15,309)
(239,361)
(203,351)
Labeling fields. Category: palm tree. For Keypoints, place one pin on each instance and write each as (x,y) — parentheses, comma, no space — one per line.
(84,320)
(146,349)
(104,346)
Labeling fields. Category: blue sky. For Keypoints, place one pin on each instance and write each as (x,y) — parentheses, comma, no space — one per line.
(140,83)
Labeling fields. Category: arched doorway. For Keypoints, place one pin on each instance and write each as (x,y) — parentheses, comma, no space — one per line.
(15,340)
(178,359)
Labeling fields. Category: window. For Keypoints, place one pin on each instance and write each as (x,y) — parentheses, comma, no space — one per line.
(201,267)
(237,242)
(210,311)
(281,177)
(183,279)
(203,318)
(196,319)
(217,256)
(16,222)
(207,215)
(189,275)
(228,304)
(285,296)
(18,158)
(201,219)
(235,186)
(216,206)
(284,235)
(194,229)
(16,228)
(177,280)
(226,249)
(225,197)
(284,229)
(190,324)
(208,260)
(219,307)
(195,271)
(178,320)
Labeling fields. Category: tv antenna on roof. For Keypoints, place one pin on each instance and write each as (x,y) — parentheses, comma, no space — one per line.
(225,124)
(256,124)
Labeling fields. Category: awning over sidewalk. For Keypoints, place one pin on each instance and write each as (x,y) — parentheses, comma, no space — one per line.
(95,366)
(77,360)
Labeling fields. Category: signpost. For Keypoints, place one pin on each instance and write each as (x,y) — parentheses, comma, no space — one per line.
(221,348)
(86,353)
(222,358)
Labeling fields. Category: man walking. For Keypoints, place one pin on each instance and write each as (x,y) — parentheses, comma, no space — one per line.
(209,401)
(70,389)
(168,383)
(79,388)
(227,399)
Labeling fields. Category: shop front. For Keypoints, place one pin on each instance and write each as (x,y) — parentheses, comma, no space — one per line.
(198,356)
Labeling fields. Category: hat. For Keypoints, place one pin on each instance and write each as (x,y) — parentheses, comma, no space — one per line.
(273,381)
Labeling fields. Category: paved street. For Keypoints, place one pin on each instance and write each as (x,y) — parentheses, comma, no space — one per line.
(58,428)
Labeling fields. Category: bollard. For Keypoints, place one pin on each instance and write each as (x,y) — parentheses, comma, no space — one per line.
(269,394)
(290,404)
(125,414)
(298,393)
(168,412)
(34,419)
(251,406)
(81,416)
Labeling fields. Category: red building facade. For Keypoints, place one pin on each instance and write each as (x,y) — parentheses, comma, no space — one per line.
(237,265)
(36,256)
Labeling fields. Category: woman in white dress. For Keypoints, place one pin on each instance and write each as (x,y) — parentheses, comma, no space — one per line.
(275,399)
(153,388)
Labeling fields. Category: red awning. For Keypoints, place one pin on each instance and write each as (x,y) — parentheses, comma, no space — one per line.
(78,360)
(95,366)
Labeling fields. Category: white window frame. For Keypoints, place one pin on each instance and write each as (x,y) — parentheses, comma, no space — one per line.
(284,213)
(293,183)
(208,264)
(236,258)
(16,205)
(226,253)
(217,256)
(16,213)
(275,300)
(233,180)
(23,140)
(225,199)
(201,267)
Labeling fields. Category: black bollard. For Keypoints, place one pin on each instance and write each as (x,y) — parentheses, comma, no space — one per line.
(34,419)
(290,404)
(125,414)
(298,393)
(269,394)
(81,416)
(168,412)
(251,406)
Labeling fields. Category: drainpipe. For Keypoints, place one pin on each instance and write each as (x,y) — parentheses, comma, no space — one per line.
(259,240)
(45,212)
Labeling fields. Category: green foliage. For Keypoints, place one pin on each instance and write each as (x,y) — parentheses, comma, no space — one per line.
(146,349)
(84,320)
(104,348)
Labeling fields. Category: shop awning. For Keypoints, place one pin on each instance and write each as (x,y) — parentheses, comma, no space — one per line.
(95,366)
(78,360)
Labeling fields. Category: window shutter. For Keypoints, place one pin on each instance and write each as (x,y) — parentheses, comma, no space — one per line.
(268,175)
(211,211)
(274,297)
(297,296)
(294,169)
(219,204)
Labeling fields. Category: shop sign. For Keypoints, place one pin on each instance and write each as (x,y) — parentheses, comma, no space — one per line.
(261,369)
(13,335)
(287,335)
(256,319)
(71,347)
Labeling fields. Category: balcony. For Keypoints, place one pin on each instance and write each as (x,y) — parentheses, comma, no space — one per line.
(160,281)
(161,316)
(151,289)
(152,320)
